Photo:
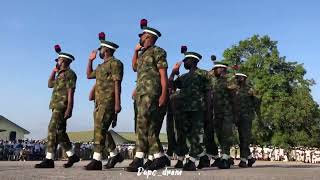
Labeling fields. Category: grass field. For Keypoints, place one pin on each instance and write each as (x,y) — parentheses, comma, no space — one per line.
(86,136)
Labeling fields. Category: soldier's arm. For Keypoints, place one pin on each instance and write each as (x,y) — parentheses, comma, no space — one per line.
(117,75)
(90,73)
(92,93)
(52,78)
(135,57)
(164,86)
(71,86)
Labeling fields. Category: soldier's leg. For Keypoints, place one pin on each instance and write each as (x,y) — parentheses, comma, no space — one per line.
(170,134)
(115,156)
(194,134)
(209,141)
(135,108)
(52,140)
(52,133)
(143,121)
(226,135)
(180,131)
(99,132)
(62,136)
(155,124)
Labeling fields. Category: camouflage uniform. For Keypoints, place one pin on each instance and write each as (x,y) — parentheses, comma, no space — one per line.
(171,126)
(106,74)
(246,103)
(194,86)
(181,147)
(223,112)
(66,79)
(148,91)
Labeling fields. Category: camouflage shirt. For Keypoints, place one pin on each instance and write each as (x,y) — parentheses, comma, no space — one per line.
(245,96)
(106,74)
(222,93)
(194,87)
(148,65)
(66,79)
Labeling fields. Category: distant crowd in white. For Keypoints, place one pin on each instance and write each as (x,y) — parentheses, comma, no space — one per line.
(28,150)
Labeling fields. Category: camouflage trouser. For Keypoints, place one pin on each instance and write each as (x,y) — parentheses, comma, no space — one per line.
(149,123)
(192,130)
(181,148)
(244,129)
(57,132)
(170,133)
(209,142)
(224,124)
(103,117)
(135,115)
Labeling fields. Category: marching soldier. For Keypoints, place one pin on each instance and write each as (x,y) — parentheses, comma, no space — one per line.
(246,103)
(223,112)
(151,96)
(63,81)
(108,77)
(194,87)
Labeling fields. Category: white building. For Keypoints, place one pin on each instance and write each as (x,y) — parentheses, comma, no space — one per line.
(11,131)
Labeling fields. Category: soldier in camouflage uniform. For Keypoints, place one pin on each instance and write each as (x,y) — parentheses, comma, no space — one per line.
(223,112)
(63,81)
(151,96)
(108,77)
(246,103)
(195,89)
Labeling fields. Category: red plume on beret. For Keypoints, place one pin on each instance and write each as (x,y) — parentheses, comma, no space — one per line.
(102,36)
(143,23)
(235,67)
(184,49)
(57,48)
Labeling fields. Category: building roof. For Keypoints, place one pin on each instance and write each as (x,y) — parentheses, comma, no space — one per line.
(2,118)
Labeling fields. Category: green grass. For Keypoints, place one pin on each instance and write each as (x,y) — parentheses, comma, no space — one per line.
(86,136)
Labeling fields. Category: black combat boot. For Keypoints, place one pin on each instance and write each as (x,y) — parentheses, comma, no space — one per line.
(251,162)
(204,162)
(71,160)
(179,164)
(147,164)
(189,166)
(216,162)
(112,161)
(94,165)
(243,164)
(159,163)
(224,164)
(46,163)
(135,165)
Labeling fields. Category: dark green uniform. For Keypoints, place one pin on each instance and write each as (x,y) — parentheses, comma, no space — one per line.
(148,91)
(106,74)
(194,86)
(66,79)
(223,112)
(246,103)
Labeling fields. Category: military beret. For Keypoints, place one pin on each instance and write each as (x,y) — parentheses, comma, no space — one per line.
(62,54)
(146,29)
(220,65)
(192,55)
(104,43)
(240,74)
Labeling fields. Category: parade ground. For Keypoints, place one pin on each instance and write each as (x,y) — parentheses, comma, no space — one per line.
(261,171)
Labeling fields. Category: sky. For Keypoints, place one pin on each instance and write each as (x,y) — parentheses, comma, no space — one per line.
(30,29)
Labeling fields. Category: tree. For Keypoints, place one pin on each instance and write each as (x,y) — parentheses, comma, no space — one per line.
(289,115)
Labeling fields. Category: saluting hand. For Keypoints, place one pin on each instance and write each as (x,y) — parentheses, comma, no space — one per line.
(138,48)
(93,55)
(176,68)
